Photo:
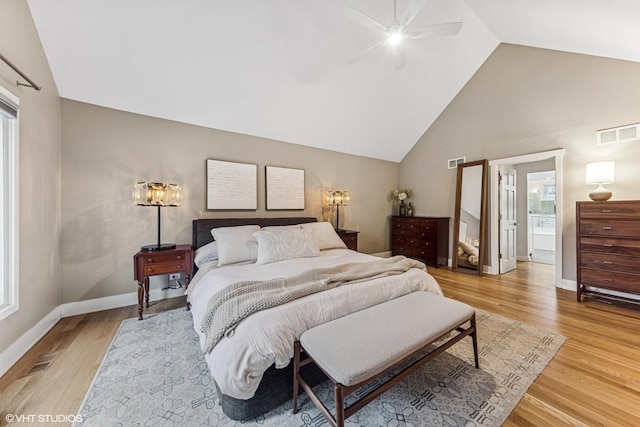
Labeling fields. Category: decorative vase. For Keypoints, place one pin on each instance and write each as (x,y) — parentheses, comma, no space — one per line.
(403,208)
(409,210)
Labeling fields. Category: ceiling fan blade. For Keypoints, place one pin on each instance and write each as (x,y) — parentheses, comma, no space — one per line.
(364,53)
(398,59)
(411,11)
(438,30)
(364,19)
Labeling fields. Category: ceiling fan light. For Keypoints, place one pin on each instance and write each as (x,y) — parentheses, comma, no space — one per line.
(394,38)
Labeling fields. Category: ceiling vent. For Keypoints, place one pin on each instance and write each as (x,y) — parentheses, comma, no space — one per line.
(620,134)
(453,163)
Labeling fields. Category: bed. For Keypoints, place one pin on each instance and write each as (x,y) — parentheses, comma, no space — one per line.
(250,361)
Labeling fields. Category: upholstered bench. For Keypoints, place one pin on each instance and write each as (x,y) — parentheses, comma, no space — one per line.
(360,347)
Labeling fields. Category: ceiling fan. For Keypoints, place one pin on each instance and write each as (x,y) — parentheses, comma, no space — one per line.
(398,30)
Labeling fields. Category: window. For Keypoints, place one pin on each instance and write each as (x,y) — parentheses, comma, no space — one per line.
(9,202)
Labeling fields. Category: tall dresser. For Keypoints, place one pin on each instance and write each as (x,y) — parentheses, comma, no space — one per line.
(608,248)
(423,238)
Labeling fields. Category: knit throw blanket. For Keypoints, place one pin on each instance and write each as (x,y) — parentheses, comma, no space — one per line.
(231,305)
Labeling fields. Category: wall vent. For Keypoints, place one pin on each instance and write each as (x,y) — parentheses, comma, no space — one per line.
(453,163)
(620,134)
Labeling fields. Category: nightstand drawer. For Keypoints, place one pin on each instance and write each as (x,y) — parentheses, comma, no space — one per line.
(153,269)
(161,258)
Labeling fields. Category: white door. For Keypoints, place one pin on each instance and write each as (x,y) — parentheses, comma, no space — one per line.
(507,187)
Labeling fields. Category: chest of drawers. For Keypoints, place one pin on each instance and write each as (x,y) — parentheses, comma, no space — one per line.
(423,238)
(608,248)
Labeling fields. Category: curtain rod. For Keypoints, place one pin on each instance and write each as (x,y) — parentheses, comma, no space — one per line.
(14,68)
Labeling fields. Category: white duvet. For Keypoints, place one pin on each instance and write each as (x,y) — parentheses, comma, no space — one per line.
(264,338)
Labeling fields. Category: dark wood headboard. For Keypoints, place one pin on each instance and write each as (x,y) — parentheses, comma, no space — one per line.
(202,227)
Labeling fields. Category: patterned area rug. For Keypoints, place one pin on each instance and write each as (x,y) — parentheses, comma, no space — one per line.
(155,374)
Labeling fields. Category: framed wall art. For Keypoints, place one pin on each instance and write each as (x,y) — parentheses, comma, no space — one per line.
(285,188)
(231,185)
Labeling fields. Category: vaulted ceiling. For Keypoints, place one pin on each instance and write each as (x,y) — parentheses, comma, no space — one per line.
(293,70)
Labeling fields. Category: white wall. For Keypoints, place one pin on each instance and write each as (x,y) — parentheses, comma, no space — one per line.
(106,151)
(39,175)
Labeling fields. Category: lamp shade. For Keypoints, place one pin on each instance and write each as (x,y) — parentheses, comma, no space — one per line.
(339,198)
(600,172)
(157,194)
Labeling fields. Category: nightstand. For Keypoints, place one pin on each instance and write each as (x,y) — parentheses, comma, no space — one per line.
(166,261)
(350,238)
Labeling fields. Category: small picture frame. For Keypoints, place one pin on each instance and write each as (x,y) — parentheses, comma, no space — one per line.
(231,185)
(284,188)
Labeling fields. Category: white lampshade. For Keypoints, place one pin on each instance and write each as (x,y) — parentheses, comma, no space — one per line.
(600,172)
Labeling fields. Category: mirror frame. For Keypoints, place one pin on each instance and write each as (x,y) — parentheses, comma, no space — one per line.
(483,217)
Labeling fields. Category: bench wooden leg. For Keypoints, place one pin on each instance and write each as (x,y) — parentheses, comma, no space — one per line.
(338,391)
(296,371)
(474,337)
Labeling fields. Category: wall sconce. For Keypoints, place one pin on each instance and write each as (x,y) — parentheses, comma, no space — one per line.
(338,198)
(600,173)
(157,194)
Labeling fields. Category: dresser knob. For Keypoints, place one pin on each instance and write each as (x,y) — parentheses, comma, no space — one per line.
(607,228)
(149,270)
(179,256)
(149,259)
(179,265)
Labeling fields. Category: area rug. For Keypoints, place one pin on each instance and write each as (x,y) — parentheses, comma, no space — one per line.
(154,373)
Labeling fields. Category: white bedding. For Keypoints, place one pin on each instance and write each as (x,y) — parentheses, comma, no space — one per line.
(264,338)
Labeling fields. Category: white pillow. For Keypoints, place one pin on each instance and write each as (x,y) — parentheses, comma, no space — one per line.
(206,253)
(285,244)
(235,244)
(325,236)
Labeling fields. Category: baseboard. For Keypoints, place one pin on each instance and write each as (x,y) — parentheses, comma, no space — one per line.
(19,348)
(115,301)
(569,285)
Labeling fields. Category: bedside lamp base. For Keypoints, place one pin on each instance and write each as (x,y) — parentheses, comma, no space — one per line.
(161,247)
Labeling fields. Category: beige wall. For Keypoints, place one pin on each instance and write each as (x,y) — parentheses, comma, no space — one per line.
(39,179)
(106,151)
(527,100)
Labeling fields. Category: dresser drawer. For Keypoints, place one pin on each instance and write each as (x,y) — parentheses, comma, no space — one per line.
(420,242)
(609,245)
(613,228)
(610,280)
(409,224)
(397,239)
(423,253)
(612,262)
(609,210)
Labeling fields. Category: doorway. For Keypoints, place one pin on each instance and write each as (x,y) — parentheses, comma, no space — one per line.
(541,217)
(555,157)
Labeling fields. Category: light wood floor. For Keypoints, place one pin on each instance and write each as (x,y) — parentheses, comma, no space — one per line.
(594,380)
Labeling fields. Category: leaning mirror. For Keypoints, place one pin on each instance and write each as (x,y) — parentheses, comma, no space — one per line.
(470,217)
